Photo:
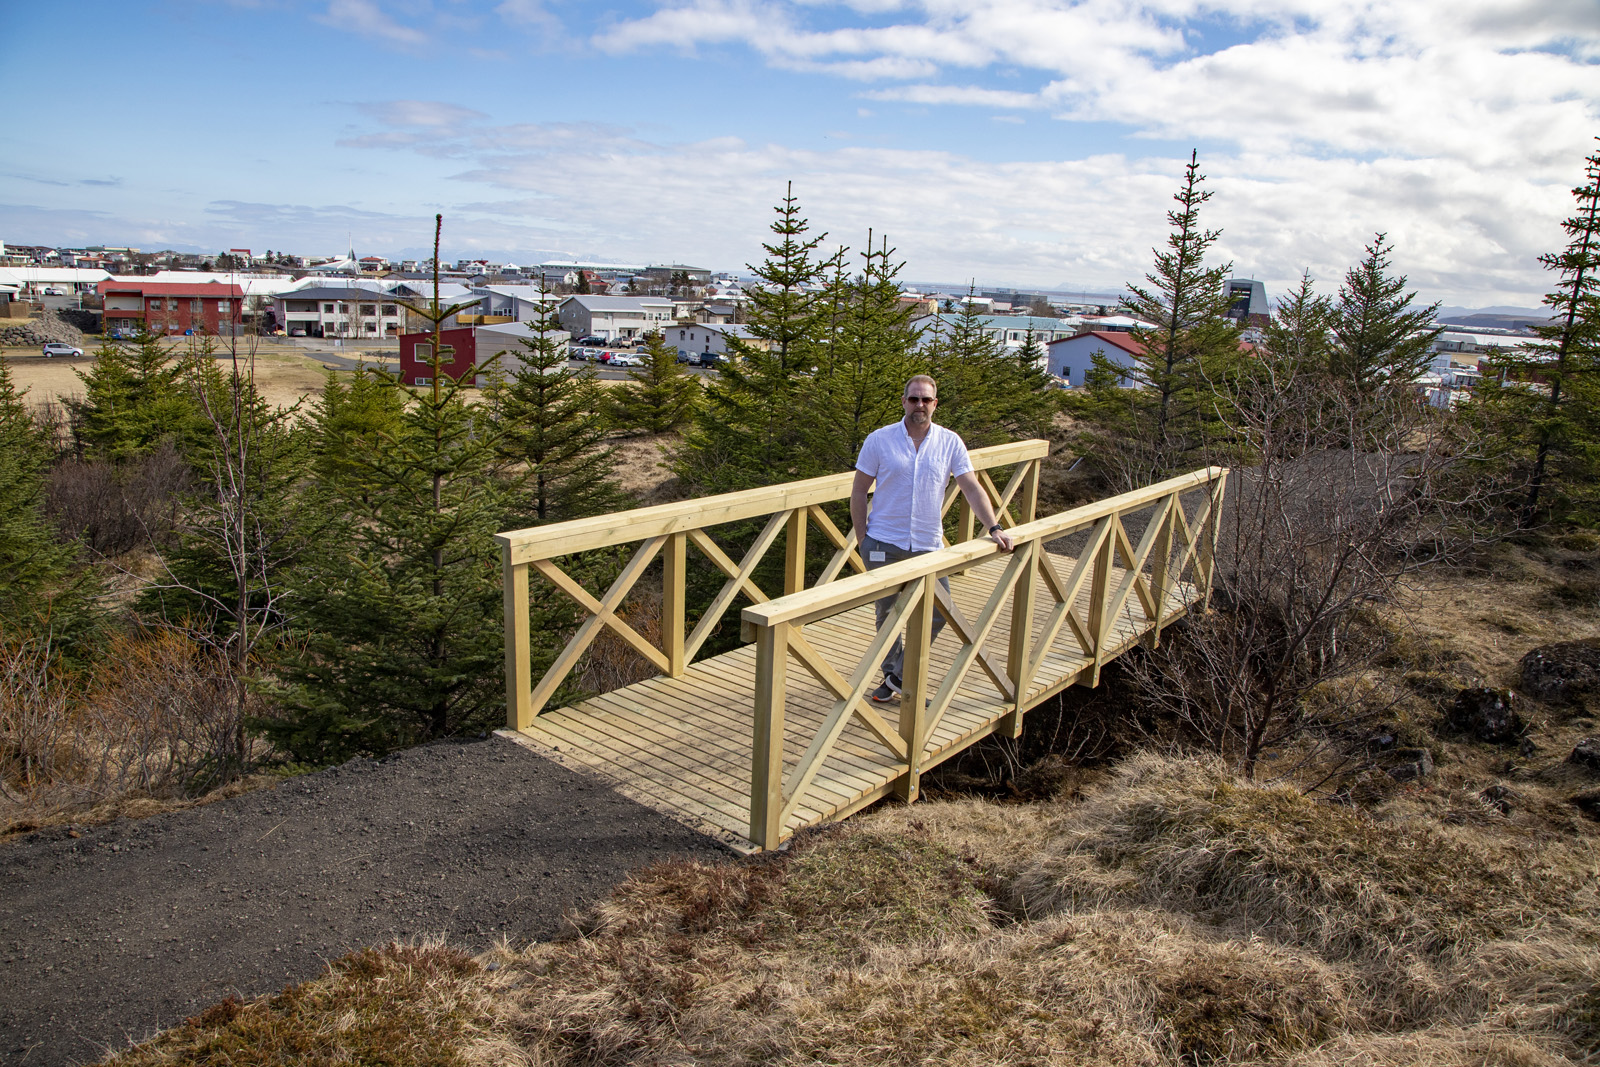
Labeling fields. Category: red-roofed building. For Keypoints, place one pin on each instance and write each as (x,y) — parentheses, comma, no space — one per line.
(171,307)
(1071,357)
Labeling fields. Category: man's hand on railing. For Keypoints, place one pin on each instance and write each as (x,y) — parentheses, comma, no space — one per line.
(999,536)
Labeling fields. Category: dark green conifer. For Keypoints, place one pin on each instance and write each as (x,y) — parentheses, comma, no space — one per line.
(1378,338)
(660,396)
(550,427)
(862,369)
(747,432)
(1190,346)
(1541,402)
(39,590)
(400,628)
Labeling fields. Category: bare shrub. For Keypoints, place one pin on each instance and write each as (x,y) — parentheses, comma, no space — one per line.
(1345,497)
(115,508)
(162,717)
(36,710)
(611,663)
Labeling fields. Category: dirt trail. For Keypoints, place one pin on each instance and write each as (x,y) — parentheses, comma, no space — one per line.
(129,928)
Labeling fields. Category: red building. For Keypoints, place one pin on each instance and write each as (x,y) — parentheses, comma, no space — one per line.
(459,347)
(171,307)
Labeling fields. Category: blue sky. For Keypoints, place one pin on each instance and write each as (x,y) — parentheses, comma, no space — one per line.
(1015,142)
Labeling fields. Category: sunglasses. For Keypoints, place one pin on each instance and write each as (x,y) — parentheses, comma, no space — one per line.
(922,400)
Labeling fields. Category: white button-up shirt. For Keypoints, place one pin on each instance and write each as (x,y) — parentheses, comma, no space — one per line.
(911,481)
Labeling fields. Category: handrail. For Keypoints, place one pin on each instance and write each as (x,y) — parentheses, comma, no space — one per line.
(1150,573)
(666,530)
(617,528)
(858,589)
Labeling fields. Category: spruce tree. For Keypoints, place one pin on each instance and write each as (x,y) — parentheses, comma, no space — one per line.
(400,628)
(660,396)
(244,521)
(1190,343)
(863,367)
(134,398)
(1551,432)
(353,417)
(747,432)
(1378,339)
(550,428)
(39,593)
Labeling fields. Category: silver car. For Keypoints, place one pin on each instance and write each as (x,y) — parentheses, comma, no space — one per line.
(58,348)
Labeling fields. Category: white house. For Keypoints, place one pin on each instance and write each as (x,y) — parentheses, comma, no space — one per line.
(1071,357)
(31,281)
(340,311)
(696,339)
(1009,330)
(614,318)
(519,302)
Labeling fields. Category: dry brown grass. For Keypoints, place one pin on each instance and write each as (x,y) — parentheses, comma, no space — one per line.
(1176,915)
(1163,913)
(158,725)
(283,378)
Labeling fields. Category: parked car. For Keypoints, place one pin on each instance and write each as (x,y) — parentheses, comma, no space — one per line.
(57,348)
(712,359)
(592,342)
(623,359)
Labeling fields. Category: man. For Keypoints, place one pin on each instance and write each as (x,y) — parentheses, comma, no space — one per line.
(911,460)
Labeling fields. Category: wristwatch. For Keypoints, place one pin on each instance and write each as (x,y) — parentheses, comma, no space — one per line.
(995,527)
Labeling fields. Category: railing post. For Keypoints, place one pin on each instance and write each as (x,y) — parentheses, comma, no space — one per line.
(766,760)
(1160,576)
(1208,541)
(965,520)
(794,560)
(1100,595)
(914,689)
(519,669)
(1029,504)
(1022,603)
(673,561)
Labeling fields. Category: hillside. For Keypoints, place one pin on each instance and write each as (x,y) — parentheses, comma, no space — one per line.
(1156,910)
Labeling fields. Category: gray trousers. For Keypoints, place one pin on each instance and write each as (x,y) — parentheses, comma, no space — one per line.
(894,662)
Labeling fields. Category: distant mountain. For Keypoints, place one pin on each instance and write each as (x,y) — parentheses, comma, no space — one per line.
(1499,316)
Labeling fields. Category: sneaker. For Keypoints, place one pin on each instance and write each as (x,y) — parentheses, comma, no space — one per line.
(886,693)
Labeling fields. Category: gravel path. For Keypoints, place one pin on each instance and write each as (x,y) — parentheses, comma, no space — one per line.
(127,929)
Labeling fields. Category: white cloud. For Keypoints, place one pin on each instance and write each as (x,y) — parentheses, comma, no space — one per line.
(1091,222)
(366,18)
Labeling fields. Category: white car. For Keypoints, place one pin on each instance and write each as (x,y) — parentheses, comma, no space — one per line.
(619,359)
(57,348)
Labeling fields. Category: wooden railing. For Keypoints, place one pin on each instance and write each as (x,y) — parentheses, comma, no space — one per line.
(1172,545)
(667,530)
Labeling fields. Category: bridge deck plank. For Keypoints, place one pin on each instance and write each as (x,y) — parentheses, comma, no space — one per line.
(682,745)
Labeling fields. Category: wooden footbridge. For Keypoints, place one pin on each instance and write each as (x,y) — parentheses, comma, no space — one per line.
(777,734)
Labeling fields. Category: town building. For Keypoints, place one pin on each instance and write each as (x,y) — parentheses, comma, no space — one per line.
(614,318)
(1010,330)
(463,346)
(695,340)
(514,303)
(170,307)
(340,311)
(1247,303)
(1069,358)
